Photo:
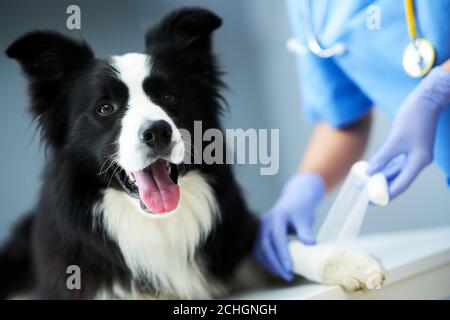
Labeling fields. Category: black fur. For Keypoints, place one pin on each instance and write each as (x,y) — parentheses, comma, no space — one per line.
(67,84)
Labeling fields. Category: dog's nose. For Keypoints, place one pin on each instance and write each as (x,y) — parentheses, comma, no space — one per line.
(156,134)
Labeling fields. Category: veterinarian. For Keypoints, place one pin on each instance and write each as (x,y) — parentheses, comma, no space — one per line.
(348,63)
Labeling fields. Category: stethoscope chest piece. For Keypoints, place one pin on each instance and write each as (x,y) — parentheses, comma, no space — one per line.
(418,57)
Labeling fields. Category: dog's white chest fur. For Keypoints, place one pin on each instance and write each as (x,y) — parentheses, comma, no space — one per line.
(163,250)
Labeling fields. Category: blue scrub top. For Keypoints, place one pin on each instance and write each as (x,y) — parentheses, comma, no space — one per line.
(340,90)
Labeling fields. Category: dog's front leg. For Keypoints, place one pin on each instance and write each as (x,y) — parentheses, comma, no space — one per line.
(336,265)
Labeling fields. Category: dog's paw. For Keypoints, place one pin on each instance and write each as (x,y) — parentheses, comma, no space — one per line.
(353,271)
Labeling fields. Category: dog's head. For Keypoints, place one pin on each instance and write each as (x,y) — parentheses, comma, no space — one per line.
(122,116)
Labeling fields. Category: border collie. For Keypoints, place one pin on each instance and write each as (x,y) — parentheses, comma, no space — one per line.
(117,200)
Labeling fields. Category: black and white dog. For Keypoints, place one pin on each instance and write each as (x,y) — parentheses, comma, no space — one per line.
(117,200)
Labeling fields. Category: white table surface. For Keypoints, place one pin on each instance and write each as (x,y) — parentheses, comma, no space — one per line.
(417,264)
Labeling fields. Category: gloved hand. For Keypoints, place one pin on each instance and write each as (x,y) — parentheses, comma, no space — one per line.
(293,212)
(409,146)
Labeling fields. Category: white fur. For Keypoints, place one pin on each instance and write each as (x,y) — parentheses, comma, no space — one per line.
(163,250)
(132,69)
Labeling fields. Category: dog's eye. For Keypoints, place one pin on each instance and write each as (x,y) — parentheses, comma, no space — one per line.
(170,99)
(106,110)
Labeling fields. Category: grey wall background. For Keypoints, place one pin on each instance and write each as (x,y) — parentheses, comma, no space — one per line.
(263,94)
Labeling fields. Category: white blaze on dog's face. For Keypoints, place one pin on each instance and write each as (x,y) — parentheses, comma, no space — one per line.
(149,143)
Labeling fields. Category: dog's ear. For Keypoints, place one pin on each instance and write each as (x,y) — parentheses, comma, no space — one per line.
(49,55)
(48,59)
(186,31)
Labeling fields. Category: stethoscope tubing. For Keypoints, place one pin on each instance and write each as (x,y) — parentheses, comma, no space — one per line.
(314,46)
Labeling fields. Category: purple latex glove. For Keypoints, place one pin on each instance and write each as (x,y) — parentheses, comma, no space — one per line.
(409,146)
(292,213)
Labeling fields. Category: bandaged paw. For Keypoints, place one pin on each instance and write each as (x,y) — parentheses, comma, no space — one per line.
(335,265)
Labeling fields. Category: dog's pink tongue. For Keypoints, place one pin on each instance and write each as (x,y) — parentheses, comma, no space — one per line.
(156,189)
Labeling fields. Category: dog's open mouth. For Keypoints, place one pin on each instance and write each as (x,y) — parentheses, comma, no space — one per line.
(155,186)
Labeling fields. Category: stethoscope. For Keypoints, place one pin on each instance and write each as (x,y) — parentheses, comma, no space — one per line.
(418,56)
